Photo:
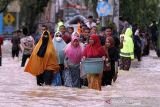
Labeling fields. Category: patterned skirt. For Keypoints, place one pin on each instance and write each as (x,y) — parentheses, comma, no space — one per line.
(72,76)
(94,81)
(125,63)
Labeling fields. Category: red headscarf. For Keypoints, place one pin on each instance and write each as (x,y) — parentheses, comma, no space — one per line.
(95,50)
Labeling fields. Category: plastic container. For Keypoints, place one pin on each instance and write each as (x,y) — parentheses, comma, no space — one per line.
(92,65)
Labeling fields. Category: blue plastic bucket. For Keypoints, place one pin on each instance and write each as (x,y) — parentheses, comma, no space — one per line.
(92,65)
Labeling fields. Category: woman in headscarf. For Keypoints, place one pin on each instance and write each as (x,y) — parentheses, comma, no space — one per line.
(75,34)
(59,45)
(94,50)
(73,55)
(43,61)
(110,50)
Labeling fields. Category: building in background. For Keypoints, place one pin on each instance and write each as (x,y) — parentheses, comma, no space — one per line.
(9,20)
(64,9)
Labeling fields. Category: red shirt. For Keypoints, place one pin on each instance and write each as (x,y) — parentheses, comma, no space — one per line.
(66,38)
(1,42)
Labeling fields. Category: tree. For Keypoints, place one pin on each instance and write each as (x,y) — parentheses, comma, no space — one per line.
(30,11)
(4,4)
(91,5)
(140,12)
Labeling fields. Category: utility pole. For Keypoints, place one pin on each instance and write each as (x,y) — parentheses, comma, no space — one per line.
(1,23)
(103,17)
(15,7)
(116,13)
(53,10)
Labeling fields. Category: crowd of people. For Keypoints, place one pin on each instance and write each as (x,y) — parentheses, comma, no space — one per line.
(56,59)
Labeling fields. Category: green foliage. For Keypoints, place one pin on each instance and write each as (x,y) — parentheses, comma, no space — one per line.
(91,5)
(141,12)
(30,11)
(4,4)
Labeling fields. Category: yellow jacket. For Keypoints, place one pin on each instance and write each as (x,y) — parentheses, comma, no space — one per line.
(128,45)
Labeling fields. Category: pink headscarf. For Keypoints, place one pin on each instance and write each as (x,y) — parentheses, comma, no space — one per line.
(74,54)
(75,34)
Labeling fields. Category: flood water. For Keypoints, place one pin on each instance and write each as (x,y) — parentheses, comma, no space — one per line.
(139,87)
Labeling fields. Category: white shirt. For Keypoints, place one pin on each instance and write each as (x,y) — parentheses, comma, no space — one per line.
(90,25)
(27,44)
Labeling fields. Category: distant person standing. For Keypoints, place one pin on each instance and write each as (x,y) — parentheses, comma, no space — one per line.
(65,36)
(73,54)
(1,43)
(43,61)
(102,36)
(109,69)
(137,45)
(94,30)
(113,51)
(59,45)
(127,52)
(154,37)
(60,23)
(94,50)
(90,22)
(27,43)
(16,43)
(147,47)
(70,31)
(84,37)
(154,33)
(39,33)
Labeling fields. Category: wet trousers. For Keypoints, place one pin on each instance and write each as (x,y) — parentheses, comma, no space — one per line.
(15,53)
(24,59)
(61,72)
(45,78)
(94,81)
(0,61)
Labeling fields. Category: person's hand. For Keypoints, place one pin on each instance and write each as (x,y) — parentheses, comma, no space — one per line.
(106,59)
(121,38)
(83,58)
(66,66)
(103,58)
